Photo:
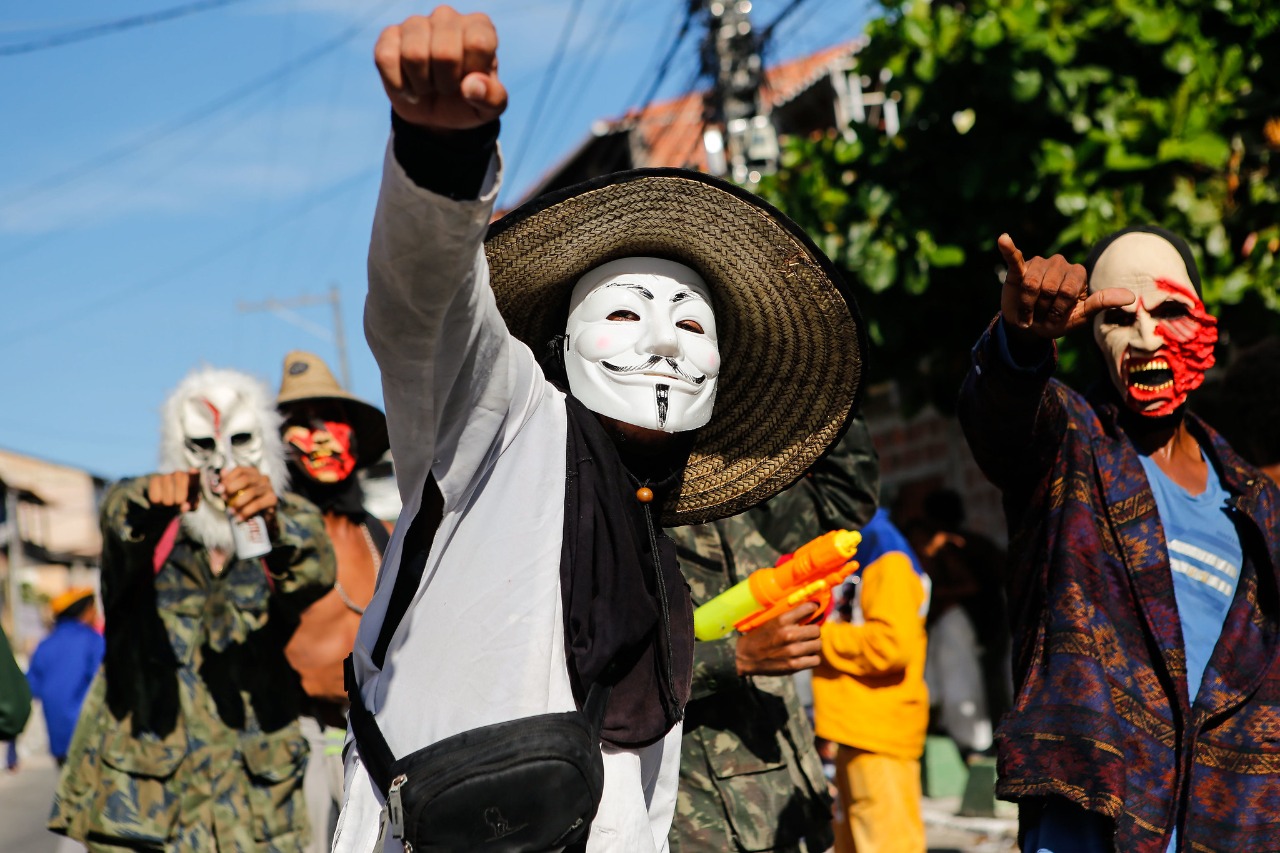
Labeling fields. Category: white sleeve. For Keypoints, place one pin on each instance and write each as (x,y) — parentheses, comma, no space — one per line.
(449,366)
(639,800)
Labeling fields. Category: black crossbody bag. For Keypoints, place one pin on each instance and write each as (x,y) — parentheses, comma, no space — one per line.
(521,786)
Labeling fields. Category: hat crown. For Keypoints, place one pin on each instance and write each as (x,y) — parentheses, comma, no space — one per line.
(306,375)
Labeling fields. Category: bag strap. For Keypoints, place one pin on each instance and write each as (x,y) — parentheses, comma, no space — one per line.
(164,547)
(413,561)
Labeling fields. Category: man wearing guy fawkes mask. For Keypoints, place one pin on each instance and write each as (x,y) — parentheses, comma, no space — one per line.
(687,372)
(1145,554)
(189,737)
(329,436)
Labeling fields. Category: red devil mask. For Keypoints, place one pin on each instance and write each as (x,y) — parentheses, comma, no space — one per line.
(323,449)
(1159,346)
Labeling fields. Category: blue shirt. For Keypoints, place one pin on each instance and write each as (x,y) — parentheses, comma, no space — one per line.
(1205,559)
(1205,556)
(61,671)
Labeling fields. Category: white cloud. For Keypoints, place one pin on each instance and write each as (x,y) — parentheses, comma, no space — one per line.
(262,157)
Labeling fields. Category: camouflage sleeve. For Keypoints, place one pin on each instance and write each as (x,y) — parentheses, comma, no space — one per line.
(131,528)
(302,564)
(715,667)
(840,492)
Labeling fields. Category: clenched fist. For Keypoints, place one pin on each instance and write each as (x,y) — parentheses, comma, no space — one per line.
(179,489)
(1046,298)
(441,71)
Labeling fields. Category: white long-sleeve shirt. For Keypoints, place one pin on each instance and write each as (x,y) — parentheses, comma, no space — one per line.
(483,640)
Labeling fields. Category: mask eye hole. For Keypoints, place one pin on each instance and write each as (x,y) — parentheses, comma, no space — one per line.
(691,326)
(624,316)
(1170,310)
(1119,317)
(206,445)
(240,439)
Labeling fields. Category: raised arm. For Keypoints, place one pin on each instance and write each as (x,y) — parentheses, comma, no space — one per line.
(1012,416)
(430,316)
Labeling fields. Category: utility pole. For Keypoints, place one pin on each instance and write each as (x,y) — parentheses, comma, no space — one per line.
(739,136)
(284,309)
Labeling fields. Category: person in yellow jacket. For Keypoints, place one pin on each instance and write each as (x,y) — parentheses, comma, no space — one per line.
(870,698)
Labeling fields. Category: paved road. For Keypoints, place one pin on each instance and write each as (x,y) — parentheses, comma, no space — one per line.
(24,807)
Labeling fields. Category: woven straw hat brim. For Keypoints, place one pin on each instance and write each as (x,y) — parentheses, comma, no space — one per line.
(367,420)
(792,342)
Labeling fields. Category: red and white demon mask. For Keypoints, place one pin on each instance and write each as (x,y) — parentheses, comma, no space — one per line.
(216,420)
(321,442)
(641,346)
(1158,347)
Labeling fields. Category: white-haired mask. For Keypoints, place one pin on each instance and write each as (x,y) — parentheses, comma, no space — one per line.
(216,420)
(640,344)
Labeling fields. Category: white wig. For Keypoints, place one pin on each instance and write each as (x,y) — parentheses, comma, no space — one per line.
(255,396)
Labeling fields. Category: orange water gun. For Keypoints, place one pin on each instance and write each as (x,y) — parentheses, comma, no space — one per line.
(810,575)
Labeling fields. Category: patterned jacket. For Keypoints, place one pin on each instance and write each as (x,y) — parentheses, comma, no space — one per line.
(1101,715)
(188,739)
(750,777)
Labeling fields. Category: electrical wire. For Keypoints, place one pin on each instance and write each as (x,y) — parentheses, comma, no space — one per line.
(199,114)
(217,252)
(767,32)
(565,34)
(664,67)
(109,27)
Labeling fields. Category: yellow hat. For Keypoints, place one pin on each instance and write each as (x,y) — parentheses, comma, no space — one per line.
(72,596)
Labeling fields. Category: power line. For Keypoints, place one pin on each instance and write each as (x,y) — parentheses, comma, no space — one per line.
(218,104)
(115,26)
(779,18)
(215,253)
(544,90)
(665,65)
(601,38)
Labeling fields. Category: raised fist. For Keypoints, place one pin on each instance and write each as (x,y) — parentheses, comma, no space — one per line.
(441,71)
(1047,298)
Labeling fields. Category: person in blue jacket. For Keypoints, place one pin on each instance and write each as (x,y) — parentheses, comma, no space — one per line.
(64,665)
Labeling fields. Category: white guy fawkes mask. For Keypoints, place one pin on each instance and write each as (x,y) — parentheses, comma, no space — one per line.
(1158,347)
(640,344)
(214,421)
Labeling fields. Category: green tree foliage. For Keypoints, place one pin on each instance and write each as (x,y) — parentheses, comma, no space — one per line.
(1058,121)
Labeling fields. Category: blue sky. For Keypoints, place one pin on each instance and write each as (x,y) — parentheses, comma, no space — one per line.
(153,179)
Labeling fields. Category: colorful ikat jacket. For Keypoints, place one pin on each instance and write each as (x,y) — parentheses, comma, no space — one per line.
(1101,715)
(188,739)
(750,776)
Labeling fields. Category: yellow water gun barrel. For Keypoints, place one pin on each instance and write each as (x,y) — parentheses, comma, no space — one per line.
(808,575)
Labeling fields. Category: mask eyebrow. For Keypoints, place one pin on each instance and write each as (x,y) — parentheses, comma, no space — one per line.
(685,294)
(642,290)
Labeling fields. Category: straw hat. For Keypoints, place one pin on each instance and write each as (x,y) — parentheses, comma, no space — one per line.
(307,377)
(791,339)
(69,598)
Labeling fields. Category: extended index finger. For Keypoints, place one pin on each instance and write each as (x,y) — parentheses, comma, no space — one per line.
(1101,300)
(798,613)
(1012,255)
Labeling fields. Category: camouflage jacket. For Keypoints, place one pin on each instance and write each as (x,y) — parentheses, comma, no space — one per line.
(750,777)
(188,739)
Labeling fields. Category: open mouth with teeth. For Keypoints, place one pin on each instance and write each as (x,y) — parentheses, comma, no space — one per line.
(1150,376)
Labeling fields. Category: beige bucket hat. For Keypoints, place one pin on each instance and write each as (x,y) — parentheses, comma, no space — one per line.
(792,342)
(307,377)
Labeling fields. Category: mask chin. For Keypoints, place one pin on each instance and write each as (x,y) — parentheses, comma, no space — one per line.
(649,404)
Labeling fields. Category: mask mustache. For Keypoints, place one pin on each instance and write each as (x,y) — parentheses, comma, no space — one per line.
(652,362)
